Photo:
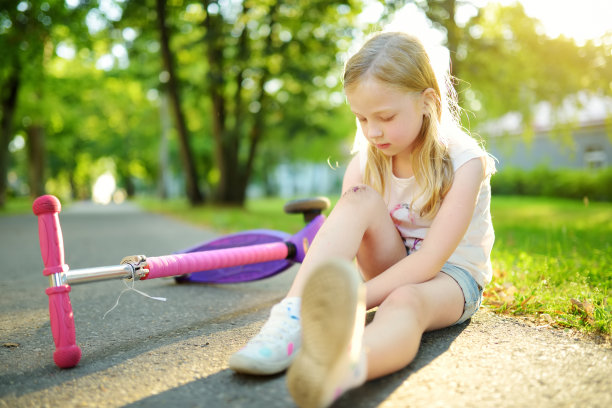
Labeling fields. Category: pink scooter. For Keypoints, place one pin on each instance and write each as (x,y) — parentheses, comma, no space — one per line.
(240,257)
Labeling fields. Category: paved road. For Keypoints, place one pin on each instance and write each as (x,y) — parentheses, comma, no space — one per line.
(148,353)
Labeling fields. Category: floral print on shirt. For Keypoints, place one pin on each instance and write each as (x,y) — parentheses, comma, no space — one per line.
(405,220)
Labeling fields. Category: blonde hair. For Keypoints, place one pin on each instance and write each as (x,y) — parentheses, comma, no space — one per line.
(400,60)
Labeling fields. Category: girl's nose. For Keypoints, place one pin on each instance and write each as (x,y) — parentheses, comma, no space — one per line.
(374,131)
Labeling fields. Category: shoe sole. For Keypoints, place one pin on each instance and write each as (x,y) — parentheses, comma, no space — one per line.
(332,302)
(247,365)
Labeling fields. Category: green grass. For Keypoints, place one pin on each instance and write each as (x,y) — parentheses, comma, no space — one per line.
(552,261)
(266,213)
(17,206)
(552,258)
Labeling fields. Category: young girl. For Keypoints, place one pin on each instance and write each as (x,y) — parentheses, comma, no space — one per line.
(414,213)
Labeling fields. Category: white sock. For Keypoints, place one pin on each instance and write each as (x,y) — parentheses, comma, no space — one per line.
(293,306)
(357,374)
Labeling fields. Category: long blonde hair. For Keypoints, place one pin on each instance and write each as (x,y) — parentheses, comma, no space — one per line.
(401,61)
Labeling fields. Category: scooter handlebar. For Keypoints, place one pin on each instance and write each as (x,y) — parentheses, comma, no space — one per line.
(67,354)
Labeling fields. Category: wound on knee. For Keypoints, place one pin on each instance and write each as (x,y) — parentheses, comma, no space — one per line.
(355,189)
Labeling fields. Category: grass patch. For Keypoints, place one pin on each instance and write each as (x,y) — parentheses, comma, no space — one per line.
(552,261)
(17,206)
(552,258)
(265,213)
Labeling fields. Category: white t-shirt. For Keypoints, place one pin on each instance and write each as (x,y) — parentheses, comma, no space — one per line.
(474,250)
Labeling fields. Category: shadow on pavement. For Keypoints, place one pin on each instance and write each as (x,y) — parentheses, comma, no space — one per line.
(373,393)
(228,389)
(224,389)
(102,358)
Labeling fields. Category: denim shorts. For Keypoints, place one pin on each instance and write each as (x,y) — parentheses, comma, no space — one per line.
(472,292)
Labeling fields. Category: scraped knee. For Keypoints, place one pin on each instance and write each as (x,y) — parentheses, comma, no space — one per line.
(358,189)
(363,196)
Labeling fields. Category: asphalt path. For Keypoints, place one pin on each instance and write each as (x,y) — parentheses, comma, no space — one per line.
(149,353)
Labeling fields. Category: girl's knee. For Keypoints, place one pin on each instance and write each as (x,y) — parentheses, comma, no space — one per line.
(406,298)
(357,189)
(362,195)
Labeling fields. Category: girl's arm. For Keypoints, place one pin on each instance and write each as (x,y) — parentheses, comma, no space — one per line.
(446,231)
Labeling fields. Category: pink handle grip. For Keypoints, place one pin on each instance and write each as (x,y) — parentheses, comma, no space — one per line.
(173,265)
(67,353)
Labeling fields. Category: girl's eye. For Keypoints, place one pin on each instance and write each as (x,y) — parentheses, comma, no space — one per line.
(361,119)
(387,118)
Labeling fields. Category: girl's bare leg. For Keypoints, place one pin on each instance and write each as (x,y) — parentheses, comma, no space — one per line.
(337,355)
(392,339)
(358,226)
(359,223)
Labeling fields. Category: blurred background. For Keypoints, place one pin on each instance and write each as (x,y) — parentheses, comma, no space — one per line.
(222,101)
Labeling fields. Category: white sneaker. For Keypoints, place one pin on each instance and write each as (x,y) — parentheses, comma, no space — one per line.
(331,359)
(273,349)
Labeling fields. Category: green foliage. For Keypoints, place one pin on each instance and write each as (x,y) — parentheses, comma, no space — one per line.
(565,183)
(87,113)
(273,68)
(276,104)
(508,64)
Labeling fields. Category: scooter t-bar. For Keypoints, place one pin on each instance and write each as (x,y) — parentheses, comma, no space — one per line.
(138,267)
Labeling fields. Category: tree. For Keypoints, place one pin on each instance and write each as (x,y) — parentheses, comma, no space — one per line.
(26,31)
(512,65)
(14,43)
(262,56)
(505,63)
(191,177)
(10,91)
(245,75)
(442,14)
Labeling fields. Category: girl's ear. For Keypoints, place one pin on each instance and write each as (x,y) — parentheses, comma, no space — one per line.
(429,102)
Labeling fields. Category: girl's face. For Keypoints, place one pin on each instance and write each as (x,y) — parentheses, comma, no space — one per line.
(390,118)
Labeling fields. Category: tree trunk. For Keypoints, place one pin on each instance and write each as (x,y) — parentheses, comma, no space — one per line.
(226,142)
(191,177)
(9,95)
(442,13)
(234,173)
(130,188)
(36,160)
(258,128)
(452,34)
(72,182)
(125,177)
(163,169)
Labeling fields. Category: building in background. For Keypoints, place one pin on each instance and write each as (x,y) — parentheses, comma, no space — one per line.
(577,135)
